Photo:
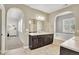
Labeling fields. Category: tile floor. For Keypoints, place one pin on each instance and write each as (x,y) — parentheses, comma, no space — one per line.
(52,49)
(13,43)
(46,50)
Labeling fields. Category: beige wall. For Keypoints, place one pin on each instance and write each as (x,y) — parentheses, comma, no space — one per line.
(29,13)
(73,8)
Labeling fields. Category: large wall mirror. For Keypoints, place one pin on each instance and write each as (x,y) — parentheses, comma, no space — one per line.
(36,26)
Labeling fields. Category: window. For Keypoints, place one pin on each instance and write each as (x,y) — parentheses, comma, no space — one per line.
(69,25)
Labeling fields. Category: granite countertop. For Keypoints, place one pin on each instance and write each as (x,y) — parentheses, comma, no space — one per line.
(40,33)
(72,44)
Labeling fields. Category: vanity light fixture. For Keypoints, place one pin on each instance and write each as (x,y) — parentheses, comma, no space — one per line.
(41,18)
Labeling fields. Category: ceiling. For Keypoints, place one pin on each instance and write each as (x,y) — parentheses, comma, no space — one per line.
(48,8)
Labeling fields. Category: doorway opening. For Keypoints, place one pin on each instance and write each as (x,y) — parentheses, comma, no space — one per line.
(14,26)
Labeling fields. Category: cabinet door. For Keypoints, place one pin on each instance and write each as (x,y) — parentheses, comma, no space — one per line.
(48,39)
(41,40)
(34,42)
(30,41)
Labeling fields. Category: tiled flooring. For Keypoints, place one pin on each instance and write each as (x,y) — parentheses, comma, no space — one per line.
(13,43)
(46,50)
(51,49)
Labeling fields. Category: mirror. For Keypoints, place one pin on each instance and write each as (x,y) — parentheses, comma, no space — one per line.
(36,26)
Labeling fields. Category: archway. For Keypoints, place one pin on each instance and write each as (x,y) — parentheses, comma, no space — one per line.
(64,27)
(15,18)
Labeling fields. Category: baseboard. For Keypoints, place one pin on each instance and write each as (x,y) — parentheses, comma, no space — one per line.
(2,53)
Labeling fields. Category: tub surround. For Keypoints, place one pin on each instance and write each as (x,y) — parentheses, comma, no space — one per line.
(63,36)
(37,40)
(70,46)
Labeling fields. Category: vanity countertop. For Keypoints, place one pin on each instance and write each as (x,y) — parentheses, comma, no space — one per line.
(40,33)
(72,44)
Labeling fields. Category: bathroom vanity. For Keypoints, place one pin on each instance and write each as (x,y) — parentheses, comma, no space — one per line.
(37,40)
(70,47)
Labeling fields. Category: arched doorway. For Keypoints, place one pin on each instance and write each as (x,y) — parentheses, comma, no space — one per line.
(15,18)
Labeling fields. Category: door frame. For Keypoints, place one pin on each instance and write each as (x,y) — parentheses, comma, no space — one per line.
(3,37)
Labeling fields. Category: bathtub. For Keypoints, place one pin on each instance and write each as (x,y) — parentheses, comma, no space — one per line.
(63,36)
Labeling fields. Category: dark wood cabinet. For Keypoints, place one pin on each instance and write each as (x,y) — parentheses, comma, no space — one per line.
(48,39)
(33,42)
(40,40)
(65,51)
(37,41)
